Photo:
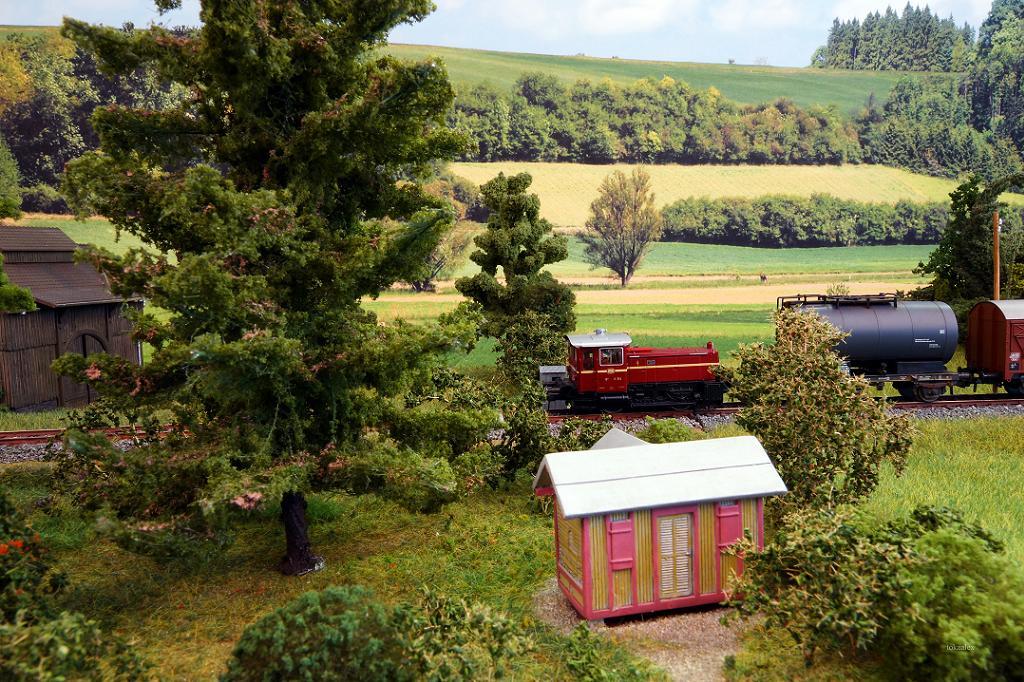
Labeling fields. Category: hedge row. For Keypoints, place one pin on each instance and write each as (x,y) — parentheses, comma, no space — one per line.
(819,220)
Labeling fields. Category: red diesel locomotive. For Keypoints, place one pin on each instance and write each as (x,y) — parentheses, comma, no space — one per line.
(605,373)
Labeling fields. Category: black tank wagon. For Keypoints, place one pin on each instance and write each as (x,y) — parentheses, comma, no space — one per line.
(909,343)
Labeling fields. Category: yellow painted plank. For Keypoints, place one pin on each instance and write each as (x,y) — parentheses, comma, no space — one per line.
(644,557)
(708,547)
(598,563)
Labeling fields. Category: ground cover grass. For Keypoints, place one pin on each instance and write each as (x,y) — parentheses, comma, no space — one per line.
(848,90)
(493,548)
(566,190)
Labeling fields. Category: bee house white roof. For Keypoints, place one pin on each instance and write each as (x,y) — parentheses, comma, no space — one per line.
(617,438)
(645,476)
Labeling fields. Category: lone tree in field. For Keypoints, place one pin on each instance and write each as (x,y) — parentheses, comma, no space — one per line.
(824,432)
(623,223)
(530,311)
(285,188)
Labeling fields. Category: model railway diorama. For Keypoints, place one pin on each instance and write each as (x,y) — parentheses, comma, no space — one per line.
(889,341)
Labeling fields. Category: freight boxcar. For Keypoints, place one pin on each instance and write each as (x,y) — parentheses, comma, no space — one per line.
(995,343)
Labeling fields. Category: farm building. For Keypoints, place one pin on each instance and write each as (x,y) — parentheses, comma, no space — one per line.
(642,527)
(76,313)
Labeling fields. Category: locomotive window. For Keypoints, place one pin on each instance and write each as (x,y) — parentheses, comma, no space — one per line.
(611,356)
(588,360)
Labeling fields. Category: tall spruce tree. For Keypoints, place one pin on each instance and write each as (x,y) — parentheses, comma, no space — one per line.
(280,194)
(527,311)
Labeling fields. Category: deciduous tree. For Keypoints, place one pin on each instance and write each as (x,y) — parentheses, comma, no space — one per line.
(281,194)
(624,222)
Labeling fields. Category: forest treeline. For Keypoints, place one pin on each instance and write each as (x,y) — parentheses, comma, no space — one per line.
(818,220)
(916,40)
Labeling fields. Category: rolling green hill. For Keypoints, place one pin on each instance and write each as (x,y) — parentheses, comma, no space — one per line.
(749,84)
(566,189)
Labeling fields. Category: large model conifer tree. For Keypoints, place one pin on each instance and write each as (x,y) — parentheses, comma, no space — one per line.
(280,194)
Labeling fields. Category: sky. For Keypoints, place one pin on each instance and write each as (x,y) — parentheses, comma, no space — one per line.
(777,32)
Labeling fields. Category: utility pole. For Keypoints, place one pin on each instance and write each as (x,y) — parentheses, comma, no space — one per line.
(995,255)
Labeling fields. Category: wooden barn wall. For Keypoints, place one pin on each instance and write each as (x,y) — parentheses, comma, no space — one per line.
(570,544)
(38,257)
(749,509)
(30,330)
(27,378)
(708,549)
(30,343)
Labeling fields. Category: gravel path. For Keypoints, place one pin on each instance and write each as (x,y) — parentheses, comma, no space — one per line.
(688,645)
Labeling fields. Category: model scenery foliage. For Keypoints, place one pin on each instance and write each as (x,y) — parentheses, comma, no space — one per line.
(827,436)
(930,594)
(624,222)
(527,310)
(285,198)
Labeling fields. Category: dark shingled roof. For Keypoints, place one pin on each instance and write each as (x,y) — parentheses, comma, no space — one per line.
(34,239)
(53,284)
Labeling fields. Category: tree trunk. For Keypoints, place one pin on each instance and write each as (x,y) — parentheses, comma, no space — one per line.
(299,558)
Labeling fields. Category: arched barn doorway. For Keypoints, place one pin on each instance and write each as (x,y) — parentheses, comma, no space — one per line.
(85,344)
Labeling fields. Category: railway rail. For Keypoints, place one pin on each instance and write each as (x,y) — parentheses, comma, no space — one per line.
(958,401)
(47,436)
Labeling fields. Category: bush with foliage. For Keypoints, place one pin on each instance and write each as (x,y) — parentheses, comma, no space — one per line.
(10,181)
(37,641)
(931,594)
(344,633)
(668,431)
(962,264)
(528,310)
(819,220)
(827,436)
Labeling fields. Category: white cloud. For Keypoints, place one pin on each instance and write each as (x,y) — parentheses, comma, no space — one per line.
(607,17)
(444,5)
(745,15)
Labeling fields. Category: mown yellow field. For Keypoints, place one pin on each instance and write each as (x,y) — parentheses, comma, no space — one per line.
(567,189)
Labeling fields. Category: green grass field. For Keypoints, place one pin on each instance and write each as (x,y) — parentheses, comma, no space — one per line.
(566,190)
(848,90)
(676,259)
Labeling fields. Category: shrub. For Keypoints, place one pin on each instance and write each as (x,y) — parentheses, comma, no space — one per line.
(930,594)
(10,179)
(826,435)
(36,641)
(668,431)
(27,578)
(66,647)
(343,633)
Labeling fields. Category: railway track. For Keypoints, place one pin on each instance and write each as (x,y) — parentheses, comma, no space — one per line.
(47,436)
(959,401)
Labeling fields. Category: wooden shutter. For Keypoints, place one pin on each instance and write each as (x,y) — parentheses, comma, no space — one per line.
(676,556)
